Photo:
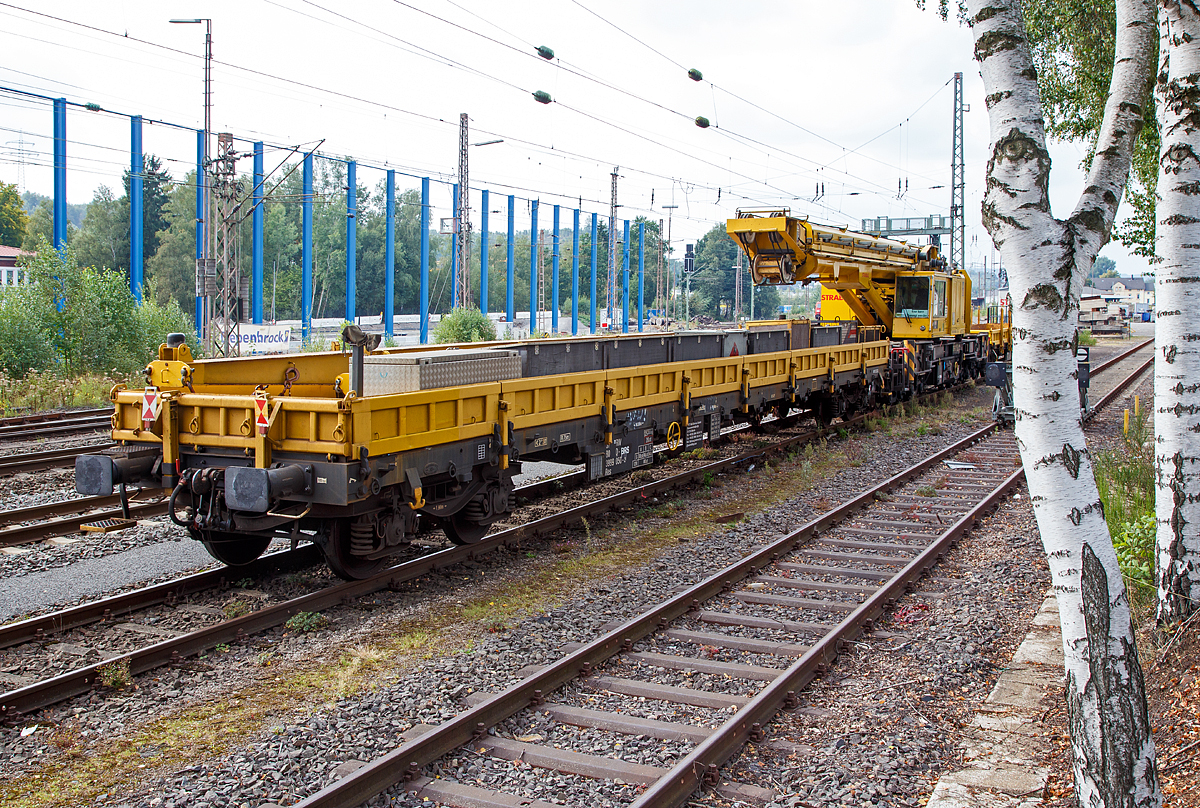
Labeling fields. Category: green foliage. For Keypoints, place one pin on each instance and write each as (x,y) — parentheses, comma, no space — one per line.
(1125,479)
(116,674)
(171,269)
(1086,338)
(1072,43)
(100,328)
(25,339)
(1104,267)
(40,227)
(943,10)
(464,324)
(103,240)
(75,211)
(714,279)
(13,218)
(1134,544)
(307,621)
(47,390)
(156,186)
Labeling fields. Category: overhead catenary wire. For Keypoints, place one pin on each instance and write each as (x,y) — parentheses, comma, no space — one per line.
(250,70)
(431,119)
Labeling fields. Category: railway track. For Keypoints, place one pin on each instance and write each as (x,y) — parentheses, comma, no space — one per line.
(80,680)
(798,600)
(51,459)
(30,427)
(54,519)
(752,636)
(846,578)
(35,418)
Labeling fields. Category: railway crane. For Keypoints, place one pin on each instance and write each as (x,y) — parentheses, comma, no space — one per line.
(921,303)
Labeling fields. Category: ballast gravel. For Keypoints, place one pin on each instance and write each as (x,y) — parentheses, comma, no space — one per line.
(875,730)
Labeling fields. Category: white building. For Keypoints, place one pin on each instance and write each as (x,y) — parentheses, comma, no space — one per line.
(1125,297)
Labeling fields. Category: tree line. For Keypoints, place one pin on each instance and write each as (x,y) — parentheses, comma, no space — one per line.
(101,239)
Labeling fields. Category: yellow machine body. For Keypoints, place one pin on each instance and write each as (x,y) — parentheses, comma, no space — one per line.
(868,273)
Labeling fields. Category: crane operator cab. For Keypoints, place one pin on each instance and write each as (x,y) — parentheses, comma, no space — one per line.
(923,305)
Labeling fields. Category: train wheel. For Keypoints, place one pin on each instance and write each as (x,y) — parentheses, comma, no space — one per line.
(235,549)
(346,565)
(461,530)
(825,411)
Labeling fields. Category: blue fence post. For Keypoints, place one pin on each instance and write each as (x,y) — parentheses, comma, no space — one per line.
(575,277)
(641,273)
(389,258)
(483,256)
(511,265)
(554,277)
(137,171)
(199,232)
(454,301)
(595,234)
(256,241)
(306,251)
(351,238)
(625,283)
(60,174)
(533,278)
(425,260)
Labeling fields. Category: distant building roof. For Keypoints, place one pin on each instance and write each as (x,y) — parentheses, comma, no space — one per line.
(1106,284)
(9,255)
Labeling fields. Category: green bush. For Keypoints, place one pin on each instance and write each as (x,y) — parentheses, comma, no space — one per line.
(99,329)
(25,342)
(1125,479)
(464,324)
(1085,337)
(306,621)
(1134,543)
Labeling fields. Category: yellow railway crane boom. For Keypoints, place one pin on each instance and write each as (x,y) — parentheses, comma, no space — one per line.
(908,290)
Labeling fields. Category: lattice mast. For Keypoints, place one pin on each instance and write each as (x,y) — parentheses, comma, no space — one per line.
(226,284)
(464,215)
(958,227)
(612,249)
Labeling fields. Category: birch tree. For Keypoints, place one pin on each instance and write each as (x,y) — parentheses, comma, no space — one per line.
(1177,300)
(1047,259)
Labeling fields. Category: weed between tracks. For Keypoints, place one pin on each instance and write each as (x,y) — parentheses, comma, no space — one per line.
(283,687)
(1125,479)
(46,390)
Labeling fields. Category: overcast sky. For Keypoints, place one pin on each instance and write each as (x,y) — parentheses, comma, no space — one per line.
(855,96)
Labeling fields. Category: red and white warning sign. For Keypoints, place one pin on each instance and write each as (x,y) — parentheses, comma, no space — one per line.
(151,406)
(261,417)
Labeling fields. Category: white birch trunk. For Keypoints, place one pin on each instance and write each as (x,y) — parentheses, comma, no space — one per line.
(1177,303)
(1047,260)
